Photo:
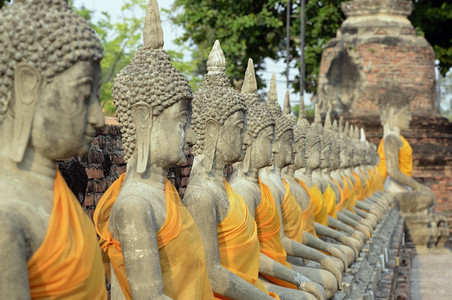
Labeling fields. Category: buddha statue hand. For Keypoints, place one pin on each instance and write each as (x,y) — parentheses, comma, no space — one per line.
(328,264)
(312,288)
(422,188)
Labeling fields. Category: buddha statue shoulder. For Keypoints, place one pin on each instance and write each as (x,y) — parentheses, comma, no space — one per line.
(50,77)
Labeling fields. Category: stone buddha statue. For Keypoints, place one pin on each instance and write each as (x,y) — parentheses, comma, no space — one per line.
(414,199)
(153,246)
(227,229)
(298,244)
(50,77)
(273,264)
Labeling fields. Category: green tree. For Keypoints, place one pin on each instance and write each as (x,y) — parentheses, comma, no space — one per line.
(2,2)
(244,28)
(433,19)
(119,39)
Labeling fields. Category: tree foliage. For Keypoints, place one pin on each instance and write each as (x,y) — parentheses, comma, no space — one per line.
(244,28)
(433,19)
(256,29)
(119,39)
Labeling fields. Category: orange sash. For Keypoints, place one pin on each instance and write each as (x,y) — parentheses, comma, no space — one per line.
(320,209)
(238,242)
(308,214)
(181,251)
(358,188)
(343,195)
(291,215)
(330,201)
(268,232)
(405,158)
(348,202)
(68,264)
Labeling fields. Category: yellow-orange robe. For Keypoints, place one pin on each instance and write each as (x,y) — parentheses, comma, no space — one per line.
(330,201)
(291,215)
(238,242)
(308,213)
(68,264)
(268,232)
(181,251)
(405,158)
(320,209)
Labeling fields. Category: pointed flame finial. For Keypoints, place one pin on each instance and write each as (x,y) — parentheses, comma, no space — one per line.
(152,29)
(317,117)
(335,127)
(302,111)
(216,63)
(249,83)
(273,93)
(287,109)
(346,129)
(363,135)
(327,125)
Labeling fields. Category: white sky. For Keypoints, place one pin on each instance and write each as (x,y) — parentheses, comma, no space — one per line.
(171,32)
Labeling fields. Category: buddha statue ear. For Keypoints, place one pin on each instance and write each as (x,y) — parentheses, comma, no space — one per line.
(27,81)
(212,136)
(143,118)
(247,159)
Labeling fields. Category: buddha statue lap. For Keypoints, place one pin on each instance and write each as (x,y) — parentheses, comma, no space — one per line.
(49,68)
(153,246)
(414,199)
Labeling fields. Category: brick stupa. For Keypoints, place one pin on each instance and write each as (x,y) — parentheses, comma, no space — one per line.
(377,48)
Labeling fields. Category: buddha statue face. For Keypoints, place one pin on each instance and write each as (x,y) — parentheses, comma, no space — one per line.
(261,148)
(171,135)
(72,94)
(313,155)
(394,108)
(325,154)
(343,156)
(399,118)
(49,80)
(283,149)
(299,154)
(335,155)
(230,147)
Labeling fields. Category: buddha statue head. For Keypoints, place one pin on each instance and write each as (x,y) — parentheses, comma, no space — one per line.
(260,126)
(335,147)
(313,141)
(394,106)
(299,136)
(344,144)
(328,144)
(50,79)
(325,143)
(283,145)
(153,103)
(219,116)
